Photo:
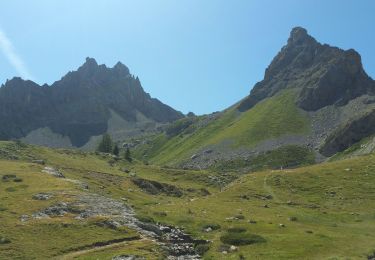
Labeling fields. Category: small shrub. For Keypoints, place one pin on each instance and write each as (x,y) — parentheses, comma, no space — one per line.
(10,189)
(239,239)
(17,180)
(8,177)
(201,249)
(293,219)
(2,208)
(237,230)
(240,217)
(213,226)
(146,219)
(160,214)
(4,240)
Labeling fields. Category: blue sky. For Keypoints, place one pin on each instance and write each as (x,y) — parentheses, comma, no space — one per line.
(195,55)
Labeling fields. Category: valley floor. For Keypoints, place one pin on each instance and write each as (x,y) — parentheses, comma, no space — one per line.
(325,211)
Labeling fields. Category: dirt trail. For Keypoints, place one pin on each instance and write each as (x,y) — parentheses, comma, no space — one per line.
(75,254)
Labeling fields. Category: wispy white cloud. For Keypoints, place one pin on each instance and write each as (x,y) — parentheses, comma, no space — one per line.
(6,46)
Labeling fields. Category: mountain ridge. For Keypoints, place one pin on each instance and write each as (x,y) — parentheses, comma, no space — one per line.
(78,105)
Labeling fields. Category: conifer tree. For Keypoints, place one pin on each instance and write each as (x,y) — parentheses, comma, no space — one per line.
(128,156)
(106,144)
(116,150)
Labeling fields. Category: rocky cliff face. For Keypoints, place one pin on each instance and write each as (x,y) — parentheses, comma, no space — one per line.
(79,105)
(323,75)
(349,134)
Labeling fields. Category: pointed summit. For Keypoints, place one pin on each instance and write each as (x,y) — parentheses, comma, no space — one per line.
(121,69)
(89,67)
(91,62)
(299,36)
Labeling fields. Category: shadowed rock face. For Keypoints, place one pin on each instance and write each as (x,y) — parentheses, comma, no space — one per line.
(78,105)
(324,75)
(349,134)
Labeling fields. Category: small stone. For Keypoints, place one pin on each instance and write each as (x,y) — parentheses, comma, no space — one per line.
(233,248)
(209,229)
(42,196)
(53,172)
(24,218)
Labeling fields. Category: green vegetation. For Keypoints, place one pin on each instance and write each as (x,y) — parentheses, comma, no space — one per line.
(106,144)
(241,238)
(288,156)
(323,211)
(116,150)
(271,118)
(128,156)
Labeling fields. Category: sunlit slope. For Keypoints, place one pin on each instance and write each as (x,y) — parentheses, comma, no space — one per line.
(271,118)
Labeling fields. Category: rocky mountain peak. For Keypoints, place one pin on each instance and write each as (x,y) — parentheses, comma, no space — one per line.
(91,62)
(80,105)
(322,75)
(299,36)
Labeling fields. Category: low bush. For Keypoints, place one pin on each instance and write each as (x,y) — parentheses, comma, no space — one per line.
(4,240)
(146,219)
(236,230)
(242,238)
(213,226)
(201,249)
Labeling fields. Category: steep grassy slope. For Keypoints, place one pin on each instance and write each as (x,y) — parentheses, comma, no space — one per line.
(271,118)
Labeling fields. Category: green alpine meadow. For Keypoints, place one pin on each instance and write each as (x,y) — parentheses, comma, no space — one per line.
(240,131)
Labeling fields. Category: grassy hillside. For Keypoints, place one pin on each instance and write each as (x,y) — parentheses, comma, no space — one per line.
(323,211)
(270,118)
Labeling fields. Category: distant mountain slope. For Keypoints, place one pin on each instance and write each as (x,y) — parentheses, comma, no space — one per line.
(309,92)
(79,106)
